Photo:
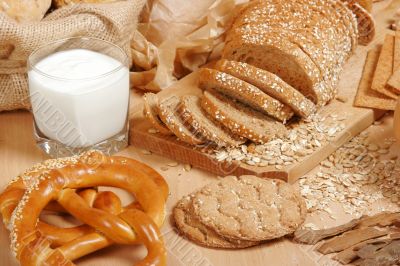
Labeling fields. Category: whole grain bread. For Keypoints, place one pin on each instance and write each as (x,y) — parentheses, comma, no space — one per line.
(322,57)
(151,112)
(244,92)
(270,84)
(240,119)
(282,58)
(365,22)
(193,114)
(323,36)
(171,117)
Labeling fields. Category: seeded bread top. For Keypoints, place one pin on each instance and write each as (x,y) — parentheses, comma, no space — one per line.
(314,26)
(244,92)
(151,111)
(270,84)
(241,119)
(169,114)
(283,58)
(205,125)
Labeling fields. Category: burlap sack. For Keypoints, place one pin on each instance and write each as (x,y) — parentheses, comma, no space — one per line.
(114,22)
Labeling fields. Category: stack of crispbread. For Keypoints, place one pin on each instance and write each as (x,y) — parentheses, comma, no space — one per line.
(240,212)
(379,87)
(281,59)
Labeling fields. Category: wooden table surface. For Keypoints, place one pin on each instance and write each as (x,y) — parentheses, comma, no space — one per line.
(18,152)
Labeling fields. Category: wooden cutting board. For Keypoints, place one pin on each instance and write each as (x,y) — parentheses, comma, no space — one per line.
(357,120)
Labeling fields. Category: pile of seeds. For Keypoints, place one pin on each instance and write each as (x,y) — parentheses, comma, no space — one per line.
(356,176)
(304,138)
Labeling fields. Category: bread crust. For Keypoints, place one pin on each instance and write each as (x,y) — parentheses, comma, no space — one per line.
(231,119)
(151,111)
(169,114)
(244,92)
(282,58)
(270,84)
(321,36)
(205,125)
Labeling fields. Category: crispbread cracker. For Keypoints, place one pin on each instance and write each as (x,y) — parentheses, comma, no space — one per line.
(396,57)
(394,81)
(366,97)
(384,68)
(250,208)
(197,232)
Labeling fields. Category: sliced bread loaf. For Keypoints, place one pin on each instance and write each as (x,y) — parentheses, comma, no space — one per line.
(270,84)
(241,119)
(282,58)
(244,92)
(170,115)
(365,22)
(151,112)
(193,114)
(321,36)
(322,59)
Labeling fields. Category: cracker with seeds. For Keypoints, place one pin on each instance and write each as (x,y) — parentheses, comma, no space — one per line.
(249,208)
(194,230)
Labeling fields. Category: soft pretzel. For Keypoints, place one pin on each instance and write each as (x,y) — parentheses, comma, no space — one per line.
(69,182)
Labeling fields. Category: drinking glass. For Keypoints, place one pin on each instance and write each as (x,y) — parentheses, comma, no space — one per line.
(79,91)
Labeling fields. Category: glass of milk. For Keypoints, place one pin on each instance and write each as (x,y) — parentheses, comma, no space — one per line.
(79,90)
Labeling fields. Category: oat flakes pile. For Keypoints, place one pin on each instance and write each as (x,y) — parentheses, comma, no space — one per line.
(304,138)
(356,176)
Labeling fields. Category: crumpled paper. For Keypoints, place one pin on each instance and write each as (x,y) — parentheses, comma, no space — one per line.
(176,37)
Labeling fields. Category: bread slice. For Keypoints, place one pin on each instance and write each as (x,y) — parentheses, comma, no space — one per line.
(322,36)
(348,19)
(193,114)
(365,22)
(169,114)
(270,84)
(244,92)
(151,111)
(322,56)
(241,120)
(282,58)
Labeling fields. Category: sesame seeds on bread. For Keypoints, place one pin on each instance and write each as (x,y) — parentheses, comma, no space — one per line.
(244,92)
(151,111)
(170,115)
(270,84)
(240,119)
(279,56)
(322,29)
(201,122)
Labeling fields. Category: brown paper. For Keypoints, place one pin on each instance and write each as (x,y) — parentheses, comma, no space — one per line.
(177,37)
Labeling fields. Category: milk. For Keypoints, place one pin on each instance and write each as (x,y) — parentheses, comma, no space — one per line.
(76,100)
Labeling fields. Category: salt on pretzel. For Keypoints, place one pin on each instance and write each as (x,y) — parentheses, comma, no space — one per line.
(105,220)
